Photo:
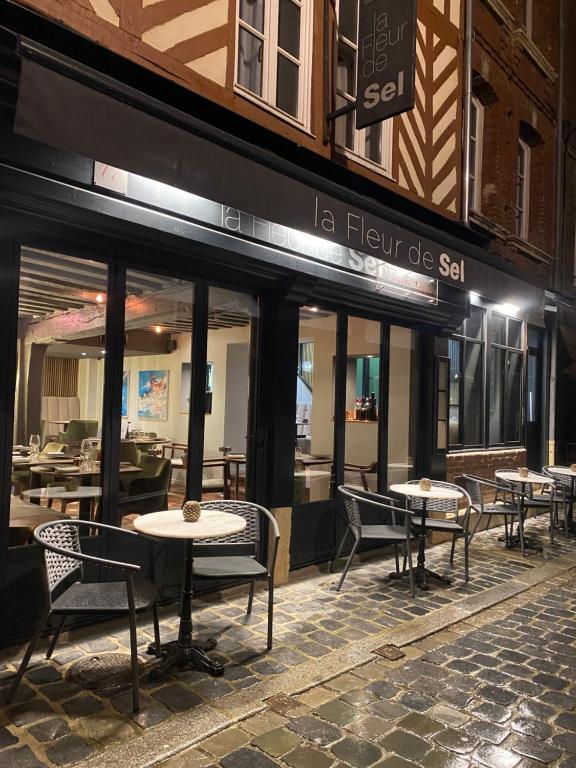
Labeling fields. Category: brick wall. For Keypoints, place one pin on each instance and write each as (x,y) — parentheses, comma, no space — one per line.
(522,81)
(483,464)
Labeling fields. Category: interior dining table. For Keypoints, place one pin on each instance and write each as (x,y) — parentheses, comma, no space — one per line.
(25,518)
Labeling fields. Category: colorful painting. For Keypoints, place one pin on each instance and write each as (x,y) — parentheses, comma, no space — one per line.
(125,392)
(153,395)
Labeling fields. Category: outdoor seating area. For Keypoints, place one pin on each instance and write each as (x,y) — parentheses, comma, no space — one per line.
(314,621)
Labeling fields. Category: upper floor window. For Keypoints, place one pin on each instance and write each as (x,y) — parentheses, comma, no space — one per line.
(274,52)
(527,16)
(373,144)
(476,129)
(522,189)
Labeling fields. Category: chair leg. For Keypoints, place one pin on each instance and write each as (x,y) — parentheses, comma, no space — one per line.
(348,564)
(250,597)
(156,623)
(270,610)
(466,557)
(339,552)
(29,651)
(552,523)
(521,533)
(408,556)
(134,659)
(55,636)
(396,558)
(452,548)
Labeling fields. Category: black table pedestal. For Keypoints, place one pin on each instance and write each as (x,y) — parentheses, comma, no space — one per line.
(186,651)
(421,573)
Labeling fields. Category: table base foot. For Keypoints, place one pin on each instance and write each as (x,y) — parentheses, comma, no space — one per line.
(194,656)
(513,542)
(421,576)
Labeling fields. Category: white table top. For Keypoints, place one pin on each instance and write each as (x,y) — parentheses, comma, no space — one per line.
(170,524)
(437,491)
(563,471)
(48,459)
(61,492)
(532,479)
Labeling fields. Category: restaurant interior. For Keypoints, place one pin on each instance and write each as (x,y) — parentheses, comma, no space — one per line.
(58,412)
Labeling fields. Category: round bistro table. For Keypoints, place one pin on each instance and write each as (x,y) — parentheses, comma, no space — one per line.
(571,476)
(421,573)
(170,524)
(533,478)
(84,495)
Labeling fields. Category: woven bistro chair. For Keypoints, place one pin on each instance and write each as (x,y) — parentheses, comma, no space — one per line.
(68,594)
(548,499)
(562,493)
(458,527)
(394,529)
(510,507)
(241,557)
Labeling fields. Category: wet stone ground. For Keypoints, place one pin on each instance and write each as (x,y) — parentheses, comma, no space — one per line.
(485,695)
(499,692)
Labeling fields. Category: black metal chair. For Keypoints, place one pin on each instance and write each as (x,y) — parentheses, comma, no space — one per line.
(67,593)
(508,509)
(547,500)
(390,531)
(457,527)
(563,494)
(237,559)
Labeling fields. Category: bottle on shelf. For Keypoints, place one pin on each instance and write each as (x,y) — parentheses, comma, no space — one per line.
(373,409)
(358,410)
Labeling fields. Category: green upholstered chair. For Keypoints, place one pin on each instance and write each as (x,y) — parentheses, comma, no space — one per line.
(77,430)
(129,452)
(146,491)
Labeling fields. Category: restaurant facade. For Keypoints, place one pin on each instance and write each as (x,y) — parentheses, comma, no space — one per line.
(226,311)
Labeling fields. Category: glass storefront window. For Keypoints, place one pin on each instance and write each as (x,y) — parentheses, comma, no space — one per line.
(59,391)
(403,404)
(362,403)
(156,390)
(313,468)
(232,325)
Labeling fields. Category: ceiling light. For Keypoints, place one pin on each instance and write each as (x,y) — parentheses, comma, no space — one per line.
(102,351)
(474,297)
(99,298)
(83,354)
(157,329)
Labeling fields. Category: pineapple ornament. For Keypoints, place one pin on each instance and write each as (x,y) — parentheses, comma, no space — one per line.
(191,511)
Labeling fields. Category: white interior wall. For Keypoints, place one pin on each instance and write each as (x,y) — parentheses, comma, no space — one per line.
(91,387)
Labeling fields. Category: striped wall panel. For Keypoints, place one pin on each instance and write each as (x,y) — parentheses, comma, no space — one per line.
(426,152)
(60,377)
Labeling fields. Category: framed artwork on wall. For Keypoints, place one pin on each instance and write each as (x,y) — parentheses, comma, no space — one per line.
(153,395)
(185,375)
(125,392)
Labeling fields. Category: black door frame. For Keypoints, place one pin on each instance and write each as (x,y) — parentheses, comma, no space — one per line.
(22,228)
(329,513)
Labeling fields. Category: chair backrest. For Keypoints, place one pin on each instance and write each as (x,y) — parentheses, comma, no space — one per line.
(129,452)
(154,466)
(353,497)
(559,477)
(79,429)
(253,514)
(474,490)
(59,566)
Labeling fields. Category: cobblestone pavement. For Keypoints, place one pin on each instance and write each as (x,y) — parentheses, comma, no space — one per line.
(498,691)
(476,695)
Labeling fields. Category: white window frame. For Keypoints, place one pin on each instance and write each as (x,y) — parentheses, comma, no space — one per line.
(527,20)
(271,49)
(522,205)
(476,139)
(358,151)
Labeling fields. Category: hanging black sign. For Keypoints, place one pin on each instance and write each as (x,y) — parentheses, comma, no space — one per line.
(386,60)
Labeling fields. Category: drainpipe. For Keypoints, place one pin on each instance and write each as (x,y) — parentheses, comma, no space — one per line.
(559,232)
(467,105)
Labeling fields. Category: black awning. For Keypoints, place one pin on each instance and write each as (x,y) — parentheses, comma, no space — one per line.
(96,121)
